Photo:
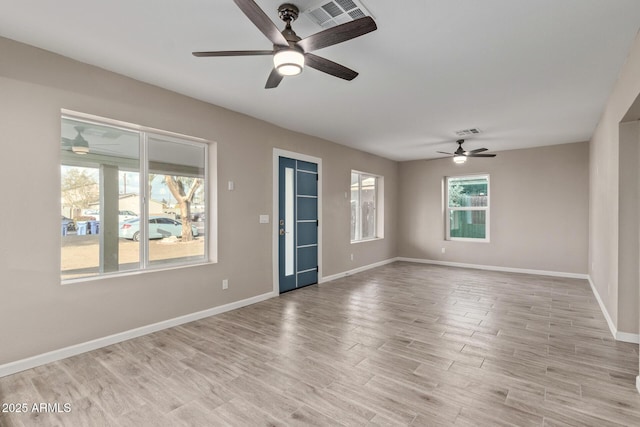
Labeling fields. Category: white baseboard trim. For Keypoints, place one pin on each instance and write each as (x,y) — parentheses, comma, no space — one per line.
(603,308)
(619,336)
(356,270)
(497,268)
(63,353)
(627,337)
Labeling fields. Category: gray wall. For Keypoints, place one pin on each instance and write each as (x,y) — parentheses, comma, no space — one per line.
(629,223)
(605,198)
(539,210)
(38,314)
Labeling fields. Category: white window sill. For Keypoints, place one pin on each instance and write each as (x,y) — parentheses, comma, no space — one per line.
(372,239)
(115,275)
(463,239)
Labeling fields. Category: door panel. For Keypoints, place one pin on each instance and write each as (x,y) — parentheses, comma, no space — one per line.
(307,258)
(307,208)
(307,184)
(307,166)
(307,233)
(298,223)
(307,278)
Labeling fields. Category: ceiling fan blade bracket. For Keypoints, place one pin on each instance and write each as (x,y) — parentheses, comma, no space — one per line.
(273,80)
(478,150)
(262,21)
(326,66)
(232,53)
(338,34)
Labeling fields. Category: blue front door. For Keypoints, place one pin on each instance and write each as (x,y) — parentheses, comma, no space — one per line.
(298,223)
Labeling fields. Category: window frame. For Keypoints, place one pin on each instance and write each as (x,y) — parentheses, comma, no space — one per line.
(210,229)
(378,207)
(448,209)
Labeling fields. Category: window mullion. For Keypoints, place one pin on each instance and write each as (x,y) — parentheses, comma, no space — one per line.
(375,207)
(144,191)
(359,211)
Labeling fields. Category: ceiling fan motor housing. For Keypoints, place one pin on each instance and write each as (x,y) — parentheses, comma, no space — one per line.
(288,12)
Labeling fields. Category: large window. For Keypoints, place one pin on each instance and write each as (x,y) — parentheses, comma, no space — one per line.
(131,199)
(467,208)
(366,193)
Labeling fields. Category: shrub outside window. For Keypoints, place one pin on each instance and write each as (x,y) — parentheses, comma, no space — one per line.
(116,177)
(467,208)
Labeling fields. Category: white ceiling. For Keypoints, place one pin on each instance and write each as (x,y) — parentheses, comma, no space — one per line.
(525,72)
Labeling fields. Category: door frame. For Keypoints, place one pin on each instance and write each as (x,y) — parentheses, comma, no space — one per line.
(277,153)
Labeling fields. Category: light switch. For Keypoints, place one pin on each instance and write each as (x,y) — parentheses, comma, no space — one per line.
(231,186)
(264,219)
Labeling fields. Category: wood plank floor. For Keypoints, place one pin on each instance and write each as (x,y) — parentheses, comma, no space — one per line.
(403,344)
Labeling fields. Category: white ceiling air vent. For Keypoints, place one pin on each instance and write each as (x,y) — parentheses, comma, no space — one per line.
(467,132)
(328,14)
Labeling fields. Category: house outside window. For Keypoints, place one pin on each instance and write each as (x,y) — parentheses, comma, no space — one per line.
(116,177)
(366,196)
(467,208)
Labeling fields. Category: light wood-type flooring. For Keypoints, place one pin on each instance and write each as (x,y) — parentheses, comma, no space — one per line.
(403,344)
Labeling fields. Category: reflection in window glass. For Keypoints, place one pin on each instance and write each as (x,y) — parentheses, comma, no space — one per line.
(98,163)
(106,196)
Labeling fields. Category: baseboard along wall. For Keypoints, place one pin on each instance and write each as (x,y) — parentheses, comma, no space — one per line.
(63,353)
(52,356)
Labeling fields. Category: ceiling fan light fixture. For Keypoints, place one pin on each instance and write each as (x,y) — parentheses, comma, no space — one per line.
(80,147)
(459,159)
(288,62)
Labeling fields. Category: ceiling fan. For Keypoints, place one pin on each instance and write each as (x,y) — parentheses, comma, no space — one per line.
(460,155)
(290,52)
(78,145)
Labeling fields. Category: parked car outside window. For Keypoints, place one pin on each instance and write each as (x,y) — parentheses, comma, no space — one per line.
(159,228)
(126,215)
(123,215)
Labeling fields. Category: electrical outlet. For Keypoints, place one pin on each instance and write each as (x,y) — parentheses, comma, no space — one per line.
(225,284)
(351,257)
(442,250)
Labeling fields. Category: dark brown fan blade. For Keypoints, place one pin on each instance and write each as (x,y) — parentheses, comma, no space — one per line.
(262,21)
(329,67)
(233,53)
(274,79)
(480,155)
(338,34)
(442,152)
(478,150)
